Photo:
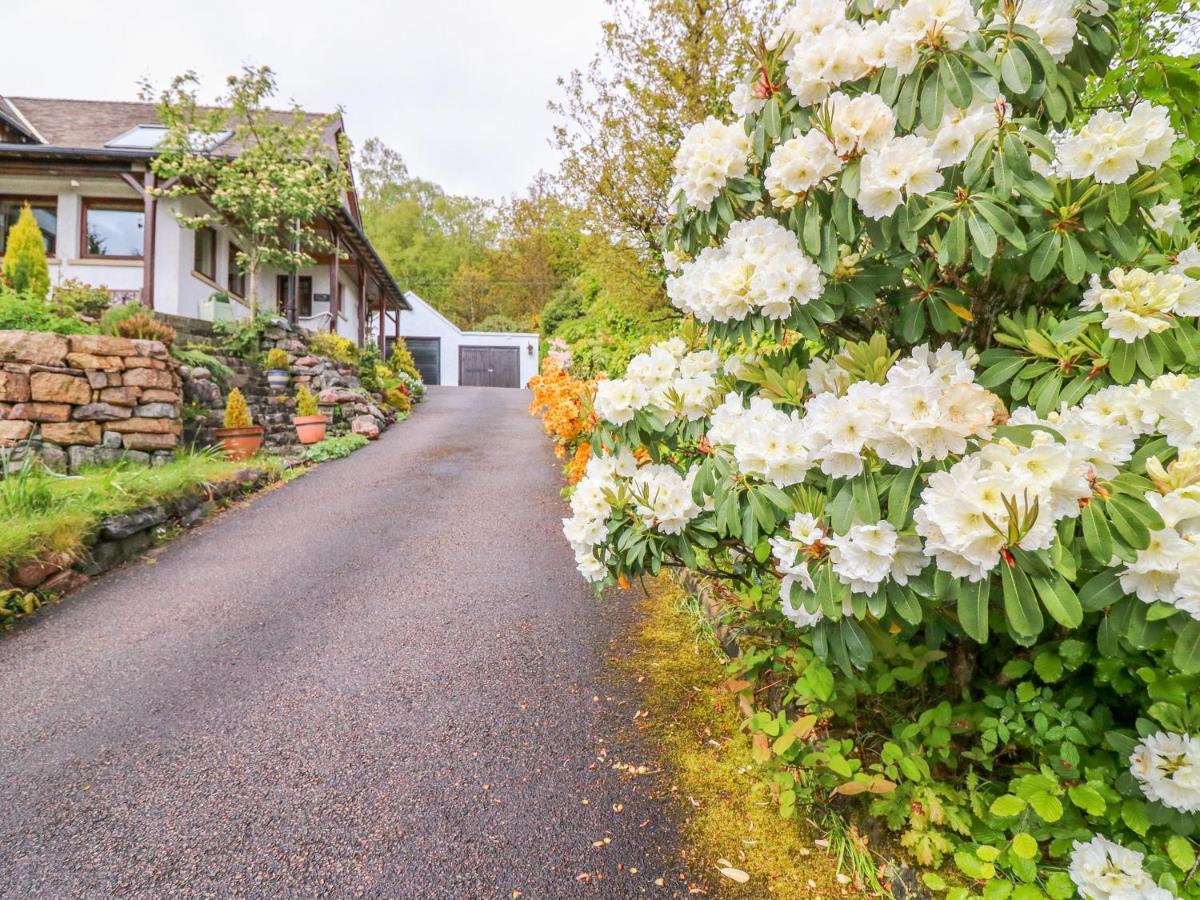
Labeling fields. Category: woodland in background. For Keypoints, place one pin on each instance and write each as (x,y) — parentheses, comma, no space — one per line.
(577,256)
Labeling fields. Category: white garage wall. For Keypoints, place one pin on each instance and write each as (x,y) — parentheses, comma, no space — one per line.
(423,321)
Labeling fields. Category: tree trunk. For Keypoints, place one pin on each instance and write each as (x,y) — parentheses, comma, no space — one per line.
(252,274)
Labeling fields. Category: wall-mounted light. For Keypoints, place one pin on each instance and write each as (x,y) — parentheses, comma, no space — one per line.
(529,349)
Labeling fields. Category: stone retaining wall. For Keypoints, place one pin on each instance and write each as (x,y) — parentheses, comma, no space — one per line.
(78,400)
(120,538)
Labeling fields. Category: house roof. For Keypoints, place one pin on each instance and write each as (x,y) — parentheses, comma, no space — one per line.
(420,302)
(84,129)
(94,124)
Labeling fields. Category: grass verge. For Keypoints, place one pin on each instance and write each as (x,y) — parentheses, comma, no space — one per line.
(42,512)
(731,820)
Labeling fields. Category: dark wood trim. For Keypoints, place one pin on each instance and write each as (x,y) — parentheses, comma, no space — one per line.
(362,307)
(335,284)
(138,186)
(231,252)
(212,255)
(382,327)
(37,200)
(89,203)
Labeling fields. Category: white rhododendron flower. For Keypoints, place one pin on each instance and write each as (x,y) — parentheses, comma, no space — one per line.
(866,555)
(963,516)
(1168,570)
(766,441)
(666,377)
(1165,216)
(918,23)
(860,124)
(746,101)
(663,498)
(1168,768)
(959,131)
(1110,148)
(711,154)
(1053,20)
(587,528)
(791,556)
(1102,870)
(759,268)
(904,167)
(798,165)
(1141,303)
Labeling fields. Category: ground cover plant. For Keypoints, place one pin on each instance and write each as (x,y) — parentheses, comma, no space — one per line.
(45,512)
(334,448)
(933,431)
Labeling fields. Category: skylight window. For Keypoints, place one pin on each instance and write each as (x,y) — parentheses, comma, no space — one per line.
(147,137)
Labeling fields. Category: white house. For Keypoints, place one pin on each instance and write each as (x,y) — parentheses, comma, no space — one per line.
(83,166)
(446,354)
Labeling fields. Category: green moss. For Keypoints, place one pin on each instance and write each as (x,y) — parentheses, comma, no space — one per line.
(697,725)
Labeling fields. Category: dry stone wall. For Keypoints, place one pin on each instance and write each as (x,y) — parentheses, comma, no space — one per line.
(78,400)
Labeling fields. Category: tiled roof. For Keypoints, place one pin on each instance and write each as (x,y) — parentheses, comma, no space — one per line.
(91,124)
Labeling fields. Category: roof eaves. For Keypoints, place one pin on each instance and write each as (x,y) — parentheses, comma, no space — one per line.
(23,124)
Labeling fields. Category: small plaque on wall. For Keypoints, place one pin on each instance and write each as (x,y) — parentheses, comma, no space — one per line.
(320,298)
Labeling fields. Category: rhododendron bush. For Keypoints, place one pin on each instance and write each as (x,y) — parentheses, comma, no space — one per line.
(933,421)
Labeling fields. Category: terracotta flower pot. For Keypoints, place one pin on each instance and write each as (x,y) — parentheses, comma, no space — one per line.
(310,429)
(240,443)
(277,380)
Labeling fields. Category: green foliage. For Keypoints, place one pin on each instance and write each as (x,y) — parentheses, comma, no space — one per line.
(401,361)
(499,323)
(277,359)
(284,177)
(306,403)
(72,296)
(196,358)
(243,338)
(237,413)
(115,315)
(45,513)
(144,326)
(334,448)
(985,712)
(26,312)
(334,346)
(25,267)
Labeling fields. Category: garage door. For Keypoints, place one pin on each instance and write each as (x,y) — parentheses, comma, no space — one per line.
(427,354)
(489,367)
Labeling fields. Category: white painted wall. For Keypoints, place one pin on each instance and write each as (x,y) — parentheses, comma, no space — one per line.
(178,288)
(426,322)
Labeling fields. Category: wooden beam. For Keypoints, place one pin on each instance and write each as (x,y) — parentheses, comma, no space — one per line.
(382,326)
(134,183)
(149,228)
(335,286)
(362,308)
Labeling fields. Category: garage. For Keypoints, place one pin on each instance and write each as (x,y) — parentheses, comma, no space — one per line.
(489,367)
(427,354)
(447,355)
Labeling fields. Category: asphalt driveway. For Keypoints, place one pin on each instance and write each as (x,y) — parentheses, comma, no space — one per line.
(382,679)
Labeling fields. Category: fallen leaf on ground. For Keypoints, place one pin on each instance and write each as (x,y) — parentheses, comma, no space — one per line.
(734,874)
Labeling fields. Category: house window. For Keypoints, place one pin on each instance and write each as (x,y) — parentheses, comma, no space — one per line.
(237,278)
(45,210)
(206,253)
(304,295)
(113,229)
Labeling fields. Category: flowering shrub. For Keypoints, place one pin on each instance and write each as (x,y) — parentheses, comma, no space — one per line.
(564,404)
(936,429)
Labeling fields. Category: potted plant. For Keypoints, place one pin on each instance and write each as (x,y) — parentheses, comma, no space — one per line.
(310,424)
(278,372)
(240,438)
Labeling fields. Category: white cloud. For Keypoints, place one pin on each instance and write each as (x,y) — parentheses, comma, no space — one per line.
(459,87)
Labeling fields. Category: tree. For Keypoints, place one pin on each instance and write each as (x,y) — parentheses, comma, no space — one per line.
(25,256)
(933,425)
(267,176)
(423,234)
(663,65)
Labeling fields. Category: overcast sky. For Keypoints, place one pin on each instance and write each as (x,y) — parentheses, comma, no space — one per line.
(458,87)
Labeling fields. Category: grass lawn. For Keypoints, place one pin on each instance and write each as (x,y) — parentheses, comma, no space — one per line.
(44,512)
